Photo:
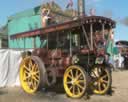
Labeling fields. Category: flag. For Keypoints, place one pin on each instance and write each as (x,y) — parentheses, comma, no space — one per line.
(70,4)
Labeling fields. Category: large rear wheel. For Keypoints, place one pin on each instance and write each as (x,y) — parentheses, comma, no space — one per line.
(30,74)
(75,81)
(102,80)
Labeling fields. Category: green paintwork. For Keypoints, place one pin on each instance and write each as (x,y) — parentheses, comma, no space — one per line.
(22,22)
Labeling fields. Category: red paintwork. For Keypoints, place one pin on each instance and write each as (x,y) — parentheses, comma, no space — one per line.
(64,26)
(54,58)
(57,59)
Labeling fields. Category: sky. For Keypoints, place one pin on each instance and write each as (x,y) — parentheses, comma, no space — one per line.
(116,9)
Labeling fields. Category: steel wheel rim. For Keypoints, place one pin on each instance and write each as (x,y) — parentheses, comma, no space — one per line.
(29,75)
(74,82)
(102,80)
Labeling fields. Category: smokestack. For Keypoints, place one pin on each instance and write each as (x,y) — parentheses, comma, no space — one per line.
(81,7)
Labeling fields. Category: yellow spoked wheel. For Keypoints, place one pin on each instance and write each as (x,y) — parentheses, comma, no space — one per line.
(102,80)
(29,75)
(75,81)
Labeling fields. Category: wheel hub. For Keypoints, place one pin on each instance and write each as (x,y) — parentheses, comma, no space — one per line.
(73,82)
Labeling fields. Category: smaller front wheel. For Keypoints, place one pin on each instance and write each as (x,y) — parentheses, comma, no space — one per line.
(75,81)
(102,80)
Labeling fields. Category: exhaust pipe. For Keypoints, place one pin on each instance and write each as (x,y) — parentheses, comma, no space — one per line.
(81,8)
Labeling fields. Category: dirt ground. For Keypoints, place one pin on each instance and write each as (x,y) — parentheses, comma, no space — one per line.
(119,87)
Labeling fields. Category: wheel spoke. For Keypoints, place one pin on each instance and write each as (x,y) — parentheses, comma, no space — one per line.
(71,74)
(32,84)
(70,88)
(95,83)
(30,64)
(26,73)
(73,90)
(69,82)
(99,71)
(104,76)
(79,76)
(99,86)
(104,81)
(76,73)
(104,85)
(33,67)
(26,68)
(36,68)
(26,77)
(36,78)
(80,86)
(35,73)
(81,81)
(78,89)
(35,84)
(94,74)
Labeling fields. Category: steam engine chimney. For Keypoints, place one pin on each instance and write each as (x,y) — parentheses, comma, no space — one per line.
(81,7)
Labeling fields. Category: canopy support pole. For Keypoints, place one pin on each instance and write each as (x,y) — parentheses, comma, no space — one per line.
(85,34)
(103,30)
(47,41)
(70,37)
(24,43)
(91,31)
(33,42)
